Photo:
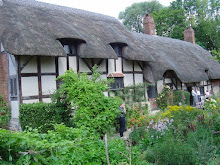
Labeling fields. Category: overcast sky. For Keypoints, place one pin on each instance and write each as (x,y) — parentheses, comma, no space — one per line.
(107,7)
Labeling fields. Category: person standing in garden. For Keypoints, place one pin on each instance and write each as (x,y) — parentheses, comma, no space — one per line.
(194,95)
(122,119)
(198,94)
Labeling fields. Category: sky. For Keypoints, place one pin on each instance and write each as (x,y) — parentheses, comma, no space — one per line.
(106,7)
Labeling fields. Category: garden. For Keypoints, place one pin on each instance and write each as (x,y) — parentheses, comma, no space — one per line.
(80,127)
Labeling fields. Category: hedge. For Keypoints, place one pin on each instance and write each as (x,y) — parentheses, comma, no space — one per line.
(43,115)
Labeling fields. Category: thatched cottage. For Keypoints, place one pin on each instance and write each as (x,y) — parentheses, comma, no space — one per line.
(40,41)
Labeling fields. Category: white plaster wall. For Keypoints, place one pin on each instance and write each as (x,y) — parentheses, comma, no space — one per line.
(12,68)
(73,63)
(29,86)
(179,86)
(83,67)
(62,65)
(48,65)
(48,84)
(128,80)
(30,101)
(102,67)
(14,109)
(103,76)
(205,89)
(159,86)
(216,89)
(111,66)
(118,66)
(139,78)
(127,64)
(168,80)
(47,100)
(31,66)
(137,67)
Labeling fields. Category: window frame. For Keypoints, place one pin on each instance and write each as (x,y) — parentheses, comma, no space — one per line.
(13,88)
(118,83)
(118,48)
(72,45)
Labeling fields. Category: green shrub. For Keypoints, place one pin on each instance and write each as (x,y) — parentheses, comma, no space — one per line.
(183,116)
(171,151)
(162,98)
(94,110)
(133,93)
(43,115)
(181,97)
(202,140)
(61,146)
(4,113)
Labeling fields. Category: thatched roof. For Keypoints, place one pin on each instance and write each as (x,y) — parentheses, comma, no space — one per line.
(190,62)
(28,27)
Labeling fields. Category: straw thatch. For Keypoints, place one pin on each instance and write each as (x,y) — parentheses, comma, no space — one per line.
(28,27)
(190,62)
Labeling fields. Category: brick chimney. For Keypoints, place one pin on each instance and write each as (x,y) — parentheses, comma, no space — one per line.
(189,35)
(3,75)
(149,25)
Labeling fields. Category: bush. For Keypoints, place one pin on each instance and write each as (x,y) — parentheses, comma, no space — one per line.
(183,116)
(62,146)
(181,97)
(43,115)
(94,111)
(171,151)
(4,113)
(202,140)
(162,98)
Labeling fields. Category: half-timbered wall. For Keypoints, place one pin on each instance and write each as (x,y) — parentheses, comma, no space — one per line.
(36,75)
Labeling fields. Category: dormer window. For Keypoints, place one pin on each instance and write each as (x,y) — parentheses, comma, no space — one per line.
(69,46)
(70,49)
(118,48)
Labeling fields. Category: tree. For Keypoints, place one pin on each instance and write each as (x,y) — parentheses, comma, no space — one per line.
(170,22)
(202,15)
(94,111)
(133,16)
(216,55)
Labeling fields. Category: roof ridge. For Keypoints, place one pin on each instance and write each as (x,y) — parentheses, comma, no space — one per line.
(81,12)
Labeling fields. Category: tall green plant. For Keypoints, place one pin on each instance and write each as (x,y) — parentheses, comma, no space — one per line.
(181,98)
(133,93)
(4,113)
(162,98)
(93,110)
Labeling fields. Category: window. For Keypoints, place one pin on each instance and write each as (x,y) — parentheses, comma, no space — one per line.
(70,49)
(13,88)
(118,83)
(69,46)
(202,92)
(117,48)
